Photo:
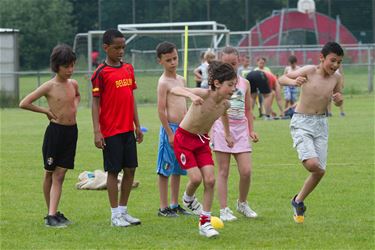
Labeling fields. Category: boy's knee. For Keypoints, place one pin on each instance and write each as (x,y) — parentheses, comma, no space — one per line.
(195,180)
(313,166)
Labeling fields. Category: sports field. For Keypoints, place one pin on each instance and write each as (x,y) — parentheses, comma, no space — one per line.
(340,212)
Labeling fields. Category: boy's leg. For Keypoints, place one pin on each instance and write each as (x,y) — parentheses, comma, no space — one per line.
(316,174)
(47,184)
(112,189)
(126,185)
(175,188)
(208,175)
(223,161)
(58,176)
(163,191)
(195,179)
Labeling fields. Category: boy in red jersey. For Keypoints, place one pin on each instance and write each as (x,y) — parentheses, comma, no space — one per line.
(115,120)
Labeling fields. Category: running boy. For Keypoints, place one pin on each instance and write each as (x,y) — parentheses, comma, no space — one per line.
(309,128)
(115,120)
(171,111)
(290,92)
(191,144)
(241,129)
(60,139)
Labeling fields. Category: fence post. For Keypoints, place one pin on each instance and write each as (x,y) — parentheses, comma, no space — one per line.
(370,70)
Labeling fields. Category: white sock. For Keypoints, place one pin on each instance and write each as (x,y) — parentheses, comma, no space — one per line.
(205,213)
(114,211)
(188,198)
(123,209)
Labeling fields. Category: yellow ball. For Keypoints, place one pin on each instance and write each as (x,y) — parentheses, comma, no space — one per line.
(216,222)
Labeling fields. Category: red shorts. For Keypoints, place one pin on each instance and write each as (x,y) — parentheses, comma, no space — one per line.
(192,150)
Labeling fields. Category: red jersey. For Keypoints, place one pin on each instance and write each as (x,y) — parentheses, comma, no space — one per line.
(271,79)
(114,86)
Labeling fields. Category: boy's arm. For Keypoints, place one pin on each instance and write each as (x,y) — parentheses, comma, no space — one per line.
(138,131)
(296,77)
(337,96)
(98,137)
(162,111)
(195,94)
(27,102)
(228,136)
(77,98)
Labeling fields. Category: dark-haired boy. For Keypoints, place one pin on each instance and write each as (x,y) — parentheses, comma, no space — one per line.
(60,139)
(309,126)
(171,110)
(116,124)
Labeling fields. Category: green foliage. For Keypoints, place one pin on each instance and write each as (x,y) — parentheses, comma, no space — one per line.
(42,24)
(340,212)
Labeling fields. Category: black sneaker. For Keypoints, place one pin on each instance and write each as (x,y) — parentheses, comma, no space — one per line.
(167,212)
(53,221)
(63,219)
(299,210)
(180,210)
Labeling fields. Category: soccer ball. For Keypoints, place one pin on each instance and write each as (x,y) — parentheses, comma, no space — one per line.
(216,222)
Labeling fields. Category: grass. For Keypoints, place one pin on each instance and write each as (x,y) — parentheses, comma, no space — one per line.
(340,211)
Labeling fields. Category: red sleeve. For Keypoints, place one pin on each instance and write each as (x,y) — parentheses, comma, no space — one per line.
(96,80)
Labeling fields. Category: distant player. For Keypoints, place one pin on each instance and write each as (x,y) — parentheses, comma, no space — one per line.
(290,92)
(319,85)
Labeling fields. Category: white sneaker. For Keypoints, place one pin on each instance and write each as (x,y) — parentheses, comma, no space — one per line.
(243,208)
(194,206)
(227,215)
(207,230)
(130,219)
(118,221)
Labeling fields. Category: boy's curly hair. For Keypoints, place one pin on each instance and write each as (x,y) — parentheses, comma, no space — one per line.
(220,71)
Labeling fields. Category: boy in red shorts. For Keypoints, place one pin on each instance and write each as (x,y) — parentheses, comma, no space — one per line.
(191,141)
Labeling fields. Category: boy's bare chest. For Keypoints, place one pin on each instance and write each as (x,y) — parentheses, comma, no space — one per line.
(319,86)
(63,94)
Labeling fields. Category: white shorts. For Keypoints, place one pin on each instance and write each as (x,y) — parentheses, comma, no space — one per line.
(310,137)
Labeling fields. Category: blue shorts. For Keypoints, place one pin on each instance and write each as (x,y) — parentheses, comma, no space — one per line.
(290,93)
(167,163)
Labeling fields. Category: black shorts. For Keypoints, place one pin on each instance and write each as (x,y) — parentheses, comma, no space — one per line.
(59,146)
(120,152)
(258,81)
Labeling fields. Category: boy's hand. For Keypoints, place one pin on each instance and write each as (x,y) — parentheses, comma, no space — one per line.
(171,140)
(300,80)
(197,100)
(138,135)
(229,140)
(337,98)
(50,115)
(254,136)
(99,140)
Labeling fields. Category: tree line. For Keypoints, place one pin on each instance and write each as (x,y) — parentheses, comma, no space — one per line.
(45,23)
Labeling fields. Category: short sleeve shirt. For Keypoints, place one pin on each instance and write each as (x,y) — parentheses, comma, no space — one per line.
(114,86)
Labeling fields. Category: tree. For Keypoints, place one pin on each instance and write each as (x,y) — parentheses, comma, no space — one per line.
(42,24)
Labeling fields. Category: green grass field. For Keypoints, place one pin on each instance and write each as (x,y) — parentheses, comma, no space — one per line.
(340,212)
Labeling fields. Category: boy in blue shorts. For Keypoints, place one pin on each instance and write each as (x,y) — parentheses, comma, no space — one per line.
(171,110)
(116,124)
(309,126)
(60,139)
(290,92)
